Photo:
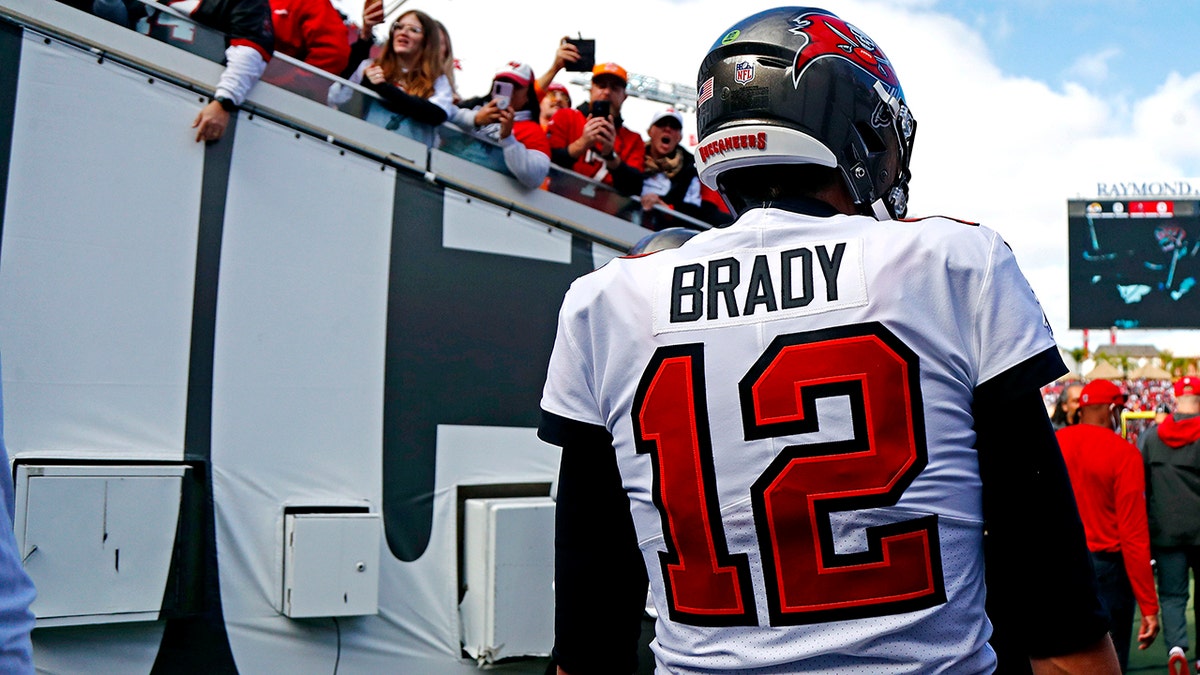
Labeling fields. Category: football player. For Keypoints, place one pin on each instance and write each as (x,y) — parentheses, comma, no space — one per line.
(804,430)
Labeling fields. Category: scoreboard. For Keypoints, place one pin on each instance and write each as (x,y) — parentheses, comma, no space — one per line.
(1134,263)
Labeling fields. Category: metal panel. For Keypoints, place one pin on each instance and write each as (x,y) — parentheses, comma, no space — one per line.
(508,609)
(97,539)
(331,564)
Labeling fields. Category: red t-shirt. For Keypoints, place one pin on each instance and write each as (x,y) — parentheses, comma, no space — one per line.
(1110,489)
(567,125)
(531,135)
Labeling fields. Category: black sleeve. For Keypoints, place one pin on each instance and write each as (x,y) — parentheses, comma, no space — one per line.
(400,102)
(359,51)
(562,157)
(250,20)
(1036,556)
(599,577)
(627,180)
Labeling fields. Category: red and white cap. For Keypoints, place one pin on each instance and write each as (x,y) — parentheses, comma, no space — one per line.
(1187,386)
(516,71)
(1101,392)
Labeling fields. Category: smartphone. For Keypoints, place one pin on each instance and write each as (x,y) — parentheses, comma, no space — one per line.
(601,109)
(587,56)
(502,93)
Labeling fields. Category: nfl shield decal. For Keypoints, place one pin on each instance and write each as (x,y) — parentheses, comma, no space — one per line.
(743,72)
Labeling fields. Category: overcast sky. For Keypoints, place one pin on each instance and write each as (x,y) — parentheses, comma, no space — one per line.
(1021,104)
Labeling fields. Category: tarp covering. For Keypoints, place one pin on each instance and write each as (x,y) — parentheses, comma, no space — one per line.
(1105,371)
(1150,371)
(318,330)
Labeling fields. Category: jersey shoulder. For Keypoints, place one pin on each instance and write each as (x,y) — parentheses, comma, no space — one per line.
(617,280)
(961,244)
(960,221)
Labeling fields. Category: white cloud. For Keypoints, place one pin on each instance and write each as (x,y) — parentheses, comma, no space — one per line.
(1169,120)
(1093,68)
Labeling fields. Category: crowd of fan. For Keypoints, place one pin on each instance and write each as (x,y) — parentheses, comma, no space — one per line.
(529,117)
(1144,396)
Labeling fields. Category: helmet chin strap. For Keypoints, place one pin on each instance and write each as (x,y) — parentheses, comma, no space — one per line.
(880,210)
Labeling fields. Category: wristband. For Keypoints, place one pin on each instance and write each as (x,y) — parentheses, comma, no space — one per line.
(227,103)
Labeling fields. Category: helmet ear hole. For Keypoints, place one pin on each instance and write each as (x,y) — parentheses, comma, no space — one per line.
(772,62)
(870,138)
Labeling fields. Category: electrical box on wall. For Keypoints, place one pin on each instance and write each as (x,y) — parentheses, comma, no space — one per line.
(97,540)
(508,551)
(331,564)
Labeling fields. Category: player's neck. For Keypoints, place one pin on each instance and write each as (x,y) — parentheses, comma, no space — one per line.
(837,196)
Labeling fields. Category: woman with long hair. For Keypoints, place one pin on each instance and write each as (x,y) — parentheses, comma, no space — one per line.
(409,77)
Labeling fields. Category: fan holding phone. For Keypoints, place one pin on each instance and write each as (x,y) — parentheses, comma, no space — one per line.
(509,117)
(593,141)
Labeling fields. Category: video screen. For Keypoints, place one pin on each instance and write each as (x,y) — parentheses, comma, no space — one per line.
(1133,263)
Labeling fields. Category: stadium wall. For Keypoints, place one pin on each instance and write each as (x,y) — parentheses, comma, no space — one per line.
(312,315)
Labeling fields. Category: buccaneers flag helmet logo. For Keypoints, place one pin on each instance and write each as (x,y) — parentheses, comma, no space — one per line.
(827,36)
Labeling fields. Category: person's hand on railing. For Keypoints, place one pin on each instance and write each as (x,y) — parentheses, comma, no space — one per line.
(649,200)
(211,122)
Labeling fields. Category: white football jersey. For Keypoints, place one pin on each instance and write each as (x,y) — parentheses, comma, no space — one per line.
(790,405)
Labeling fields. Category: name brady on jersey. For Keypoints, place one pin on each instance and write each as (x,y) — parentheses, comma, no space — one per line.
(778,282)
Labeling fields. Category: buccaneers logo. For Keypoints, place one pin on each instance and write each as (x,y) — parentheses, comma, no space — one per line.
(828,36)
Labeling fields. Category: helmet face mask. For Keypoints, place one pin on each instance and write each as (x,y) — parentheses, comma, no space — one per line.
(800,86)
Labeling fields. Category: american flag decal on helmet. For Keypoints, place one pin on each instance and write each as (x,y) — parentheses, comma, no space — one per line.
(705,93)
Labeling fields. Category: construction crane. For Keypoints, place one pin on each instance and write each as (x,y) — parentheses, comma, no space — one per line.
(680,96)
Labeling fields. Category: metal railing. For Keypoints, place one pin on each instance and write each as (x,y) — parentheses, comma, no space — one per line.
(314,84)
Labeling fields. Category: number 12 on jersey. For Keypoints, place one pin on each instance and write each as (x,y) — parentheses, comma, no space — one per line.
(806,580)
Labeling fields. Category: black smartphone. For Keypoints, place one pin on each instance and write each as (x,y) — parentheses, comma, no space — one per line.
(601,108)
(587,56)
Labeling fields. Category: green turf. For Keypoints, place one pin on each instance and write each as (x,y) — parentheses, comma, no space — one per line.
(1154,659)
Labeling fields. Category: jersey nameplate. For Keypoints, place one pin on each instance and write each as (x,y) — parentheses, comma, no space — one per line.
(758,285)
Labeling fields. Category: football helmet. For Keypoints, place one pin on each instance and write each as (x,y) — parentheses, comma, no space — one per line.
(797,85)
(1169,237)
(671,237)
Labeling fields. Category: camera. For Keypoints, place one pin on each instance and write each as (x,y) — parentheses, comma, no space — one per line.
(587,56)
(601,109)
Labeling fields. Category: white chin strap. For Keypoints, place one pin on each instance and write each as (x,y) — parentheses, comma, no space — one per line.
(880,210)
